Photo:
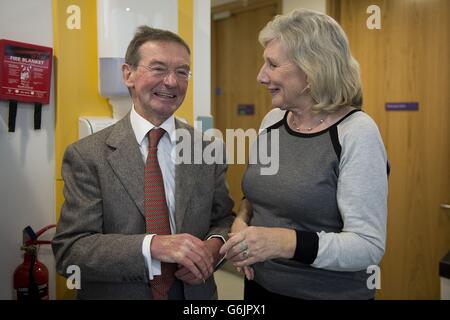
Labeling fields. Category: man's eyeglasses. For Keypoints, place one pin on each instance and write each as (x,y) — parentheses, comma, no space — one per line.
(162,71)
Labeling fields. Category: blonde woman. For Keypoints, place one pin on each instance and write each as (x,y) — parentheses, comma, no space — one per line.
(312,230)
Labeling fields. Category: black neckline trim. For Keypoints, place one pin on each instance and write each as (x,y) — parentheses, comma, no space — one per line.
(315,134)
(275,125)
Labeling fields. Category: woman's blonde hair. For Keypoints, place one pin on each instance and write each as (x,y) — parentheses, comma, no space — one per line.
(319,46)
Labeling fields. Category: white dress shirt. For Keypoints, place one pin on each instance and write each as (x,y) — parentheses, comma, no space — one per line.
(166,159)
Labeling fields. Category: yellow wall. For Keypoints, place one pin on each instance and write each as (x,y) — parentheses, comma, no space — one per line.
(76,73)
(186,31)
(76,66)
(76,87)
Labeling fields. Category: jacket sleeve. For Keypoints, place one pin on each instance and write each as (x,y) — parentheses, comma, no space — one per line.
(222,206)
(79,238)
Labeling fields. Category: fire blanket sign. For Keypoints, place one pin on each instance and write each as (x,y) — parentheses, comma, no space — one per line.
(25,75)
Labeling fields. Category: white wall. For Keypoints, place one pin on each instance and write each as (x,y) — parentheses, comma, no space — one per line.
(202,58)
(27,165)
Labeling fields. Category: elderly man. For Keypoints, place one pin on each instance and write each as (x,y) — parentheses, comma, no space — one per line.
(138,224)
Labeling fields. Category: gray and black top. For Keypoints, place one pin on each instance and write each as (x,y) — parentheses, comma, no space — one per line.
(331,187)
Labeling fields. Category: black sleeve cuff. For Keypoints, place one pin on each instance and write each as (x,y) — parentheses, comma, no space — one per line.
(307,247)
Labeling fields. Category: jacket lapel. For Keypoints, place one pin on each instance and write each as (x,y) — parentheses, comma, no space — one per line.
(126,160)
(186,175)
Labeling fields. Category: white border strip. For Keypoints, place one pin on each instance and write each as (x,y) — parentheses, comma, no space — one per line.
(202,58)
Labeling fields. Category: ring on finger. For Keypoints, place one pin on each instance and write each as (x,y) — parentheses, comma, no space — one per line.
(245,254)
(243,246)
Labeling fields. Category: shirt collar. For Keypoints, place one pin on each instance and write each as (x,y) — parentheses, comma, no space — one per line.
(142,126)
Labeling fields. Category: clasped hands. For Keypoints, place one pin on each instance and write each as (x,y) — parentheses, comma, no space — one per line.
(237,250)
(246,246)
(196,259)
(249,245)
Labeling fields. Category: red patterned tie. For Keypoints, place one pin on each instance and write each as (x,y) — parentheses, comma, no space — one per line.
(156,212)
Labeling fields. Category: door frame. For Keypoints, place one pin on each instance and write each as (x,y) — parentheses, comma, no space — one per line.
(231,8)
(245,5)
(333,9)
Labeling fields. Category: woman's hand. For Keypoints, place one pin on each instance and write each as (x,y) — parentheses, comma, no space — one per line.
(256,244)
(239,225)
(248,271)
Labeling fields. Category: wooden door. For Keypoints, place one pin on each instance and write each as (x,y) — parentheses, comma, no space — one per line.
(236,60)
(408,60)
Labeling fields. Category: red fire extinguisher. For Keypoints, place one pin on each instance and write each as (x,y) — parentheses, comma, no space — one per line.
(31,277)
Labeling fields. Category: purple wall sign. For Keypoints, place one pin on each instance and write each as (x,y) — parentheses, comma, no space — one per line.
(402,106)
(246,109)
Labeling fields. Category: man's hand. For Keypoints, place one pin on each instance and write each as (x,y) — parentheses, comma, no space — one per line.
(213,245)
(185,250)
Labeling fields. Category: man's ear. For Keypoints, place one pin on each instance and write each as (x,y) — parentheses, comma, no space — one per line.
(128,75)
